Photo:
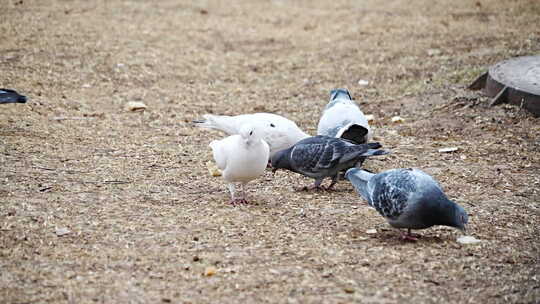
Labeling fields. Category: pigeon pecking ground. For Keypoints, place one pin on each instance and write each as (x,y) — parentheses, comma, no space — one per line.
(100,204)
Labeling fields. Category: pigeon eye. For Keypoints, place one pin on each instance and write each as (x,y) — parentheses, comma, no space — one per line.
(272,125)
(251,133)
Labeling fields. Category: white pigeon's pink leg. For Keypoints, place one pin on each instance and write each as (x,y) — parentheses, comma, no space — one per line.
(237,200)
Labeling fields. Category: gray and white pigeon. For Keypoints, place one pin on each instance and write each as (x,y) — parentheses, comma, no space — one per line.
(408,198)
(11,96)
(279,132)
(323,156)
(342,118)
(242,158)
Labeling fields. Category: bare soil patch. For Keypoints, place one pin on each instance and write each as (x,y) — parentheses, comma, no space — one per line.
(145,218)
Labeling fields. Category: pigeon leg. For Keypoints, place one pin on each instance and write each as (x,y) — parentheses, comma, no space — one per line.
(413,237)
(243,199)
(315,186)
(237,200)
(335,179)
(231,189)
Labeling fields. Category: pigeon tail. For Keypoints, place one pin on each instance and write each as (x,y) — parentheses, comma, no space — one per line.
(354,132)
(374,145)
(219,122)
(11,96)
(375,152)
(359,179)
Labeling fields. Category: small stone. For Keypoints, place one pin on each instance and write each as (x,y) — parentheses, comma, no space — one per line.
(135,106)
(196,259)
(397,119)
(371,231)
(348,289)
(370,117)
(62,231)
(363,82)
(468,239)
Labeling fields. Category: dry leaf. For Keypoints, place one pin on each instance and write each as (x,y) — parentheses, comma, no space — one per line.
(213,169)
(210,271)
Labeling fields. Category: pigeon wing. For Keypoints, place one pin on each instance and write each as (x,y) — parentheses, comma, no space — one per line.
(305,157)
(392,191)
(219,153)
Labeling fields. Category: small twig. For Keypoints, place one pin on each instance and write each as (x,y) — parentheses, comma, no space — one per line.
(60,118)
(45,189)
(116,182)
(43,168)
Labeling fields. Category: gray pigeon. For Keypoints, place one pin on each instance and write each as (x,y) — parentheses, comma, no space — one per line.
(323,156)
(408,198)
(11,96)
(342,118)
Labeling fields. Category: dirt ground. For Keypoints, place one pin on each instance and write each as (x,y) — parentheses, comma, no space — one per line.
(147,223)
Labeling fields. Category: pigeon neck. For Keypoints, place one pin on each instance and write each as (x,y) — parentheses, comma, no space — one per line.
(251,142)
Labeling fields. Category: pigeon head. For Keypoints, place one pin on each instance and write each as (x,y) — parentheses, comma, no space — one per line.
(250,134)
(340,94)
(451,214)
(281,160)
(460,218)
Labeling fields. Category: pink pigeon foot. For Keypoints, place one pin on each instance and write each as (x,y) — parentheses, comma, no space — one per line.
(412,237)
(239,201)
(312,187)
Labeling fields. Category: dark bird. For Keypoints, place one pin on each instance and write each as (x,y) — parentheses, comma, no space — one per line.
(323,156)
(408,198)
(343,118)
(11,96)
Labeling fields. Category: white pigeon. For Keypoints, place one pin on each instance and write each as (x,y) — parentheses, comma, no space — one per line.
(343,118)
(241,158)
(279,132)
